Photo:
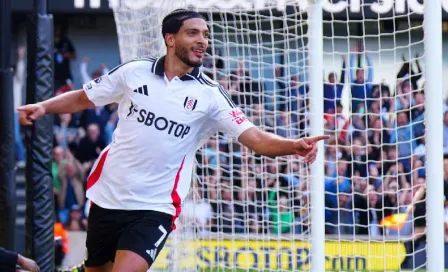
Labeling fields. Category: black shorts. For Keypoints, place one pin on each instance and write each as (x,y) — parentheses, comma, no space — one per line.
(142,232)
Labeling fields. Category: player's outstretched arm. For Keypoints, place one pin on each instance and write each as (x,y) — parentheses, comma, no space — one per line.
(271,145)
(69,102)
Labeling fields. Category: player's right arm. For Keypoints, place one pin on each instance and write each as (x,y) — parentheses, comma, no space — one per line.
(98,92)
(69,102)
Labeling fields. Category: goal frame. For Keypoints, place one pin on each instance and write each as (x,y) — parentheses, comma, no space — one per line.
(315,49)
(434,135)
(434,118)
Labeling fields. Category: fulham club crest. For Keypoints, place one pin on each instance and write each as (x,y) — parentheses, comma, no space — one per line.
(190,103)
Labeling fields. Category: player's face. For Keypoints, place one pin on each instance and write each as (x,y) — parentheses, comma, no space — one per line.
(192,42)
(332,78)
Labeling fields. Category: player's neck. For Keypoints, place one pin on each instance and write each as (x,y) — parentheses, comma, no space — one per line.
(175,67)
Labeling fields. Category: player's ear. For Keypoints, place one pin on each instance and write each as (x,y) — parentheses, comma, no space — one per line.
(169,40)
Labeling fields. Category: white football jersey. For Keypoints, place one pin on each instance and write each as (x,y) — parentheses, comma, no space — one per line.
(148,165)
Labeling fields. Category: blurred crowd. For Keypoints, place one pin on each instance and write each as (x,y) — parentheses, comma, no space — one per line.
(374,161)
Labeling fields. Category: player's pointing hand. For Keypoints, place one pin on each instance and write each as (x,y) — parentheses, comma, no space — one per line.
(307,147)
(29,113)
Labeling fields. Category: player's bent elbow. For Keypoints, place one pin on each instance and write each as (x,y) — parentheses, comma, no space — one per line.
(83,101)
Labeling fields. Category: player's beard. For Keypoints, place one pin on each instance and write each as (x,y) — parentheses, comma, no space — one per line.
(182,53)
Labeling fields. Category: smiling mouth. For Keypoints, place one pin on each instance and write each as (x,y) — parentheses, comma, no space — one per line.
(199,52)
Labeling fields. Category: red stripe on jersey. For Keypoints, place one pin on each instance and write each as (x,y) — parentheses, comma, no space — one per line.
(95,176)
(175,196)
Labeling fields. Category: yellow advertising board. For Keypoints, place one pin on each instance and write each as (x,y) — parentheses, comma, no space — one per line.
(284,255)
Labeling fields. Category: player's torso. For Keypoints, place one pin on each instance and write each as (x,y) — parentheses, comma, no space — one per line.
(161,120)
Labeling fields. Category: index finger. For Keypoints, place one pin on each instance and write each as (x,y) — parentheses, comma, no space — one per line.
(23,108)
(319,138)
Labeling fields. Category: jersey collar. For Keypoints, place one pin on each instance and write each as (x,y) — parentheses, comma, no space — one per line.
(158,68)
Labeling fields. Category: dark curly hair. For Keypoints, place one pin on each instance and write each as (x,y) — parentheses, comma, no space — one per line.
(174,20)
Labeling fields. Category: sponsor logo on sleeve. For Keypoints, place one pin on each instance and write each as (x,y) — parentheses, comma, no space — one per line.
(238,116)
(98,79)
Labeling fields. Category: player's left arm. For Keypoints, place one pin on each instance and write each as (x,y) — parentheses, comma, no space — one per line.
(272,145)
(232,120)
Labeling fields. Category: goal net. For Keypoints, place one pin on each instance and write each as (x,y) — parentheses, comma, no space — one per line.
(247,211)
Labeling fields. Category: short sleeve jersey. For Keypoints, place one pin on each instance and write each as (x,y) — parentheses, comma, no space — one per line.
(148,165)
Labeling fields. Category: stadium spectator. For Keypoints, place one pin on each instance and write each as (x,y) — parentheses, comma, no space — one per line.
(290,176)
(286,127)
(302,212)
(64,132)
(110,126)
(244,90)
(249,91)
(58,157)
(345,215)
(335,186)
(361,88)
(95,74)
(418,211)
(90,147)
(374,176)
(445,131)
(333,90)
(290,92)
(418,169)
(279,94)
(332,154)
(390,196)
(212,62)
(359,157)
(72,190)
(65,52)
(396,173)
(282,217)
(96,115)
(369,212)
(377,136)
(381,93)
(18,89)
(247,209)
(402,135)
(296,96)
(230,83)
(407,71)
(404,99)
(223,210)
(420,150)
(212,156)
(76,222)
(418,114)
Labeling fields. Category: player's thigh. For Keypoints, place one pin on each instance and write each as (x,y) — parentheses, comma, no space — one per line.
(128,261)
(107,267)
(103,232)
(145,237)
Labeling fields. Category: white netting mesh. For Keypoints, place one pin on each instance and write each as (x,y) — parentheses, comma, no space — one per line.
(247,211)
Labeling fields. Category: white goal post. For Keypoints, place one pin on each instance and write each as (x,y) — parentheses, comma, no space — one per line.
(366,72)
